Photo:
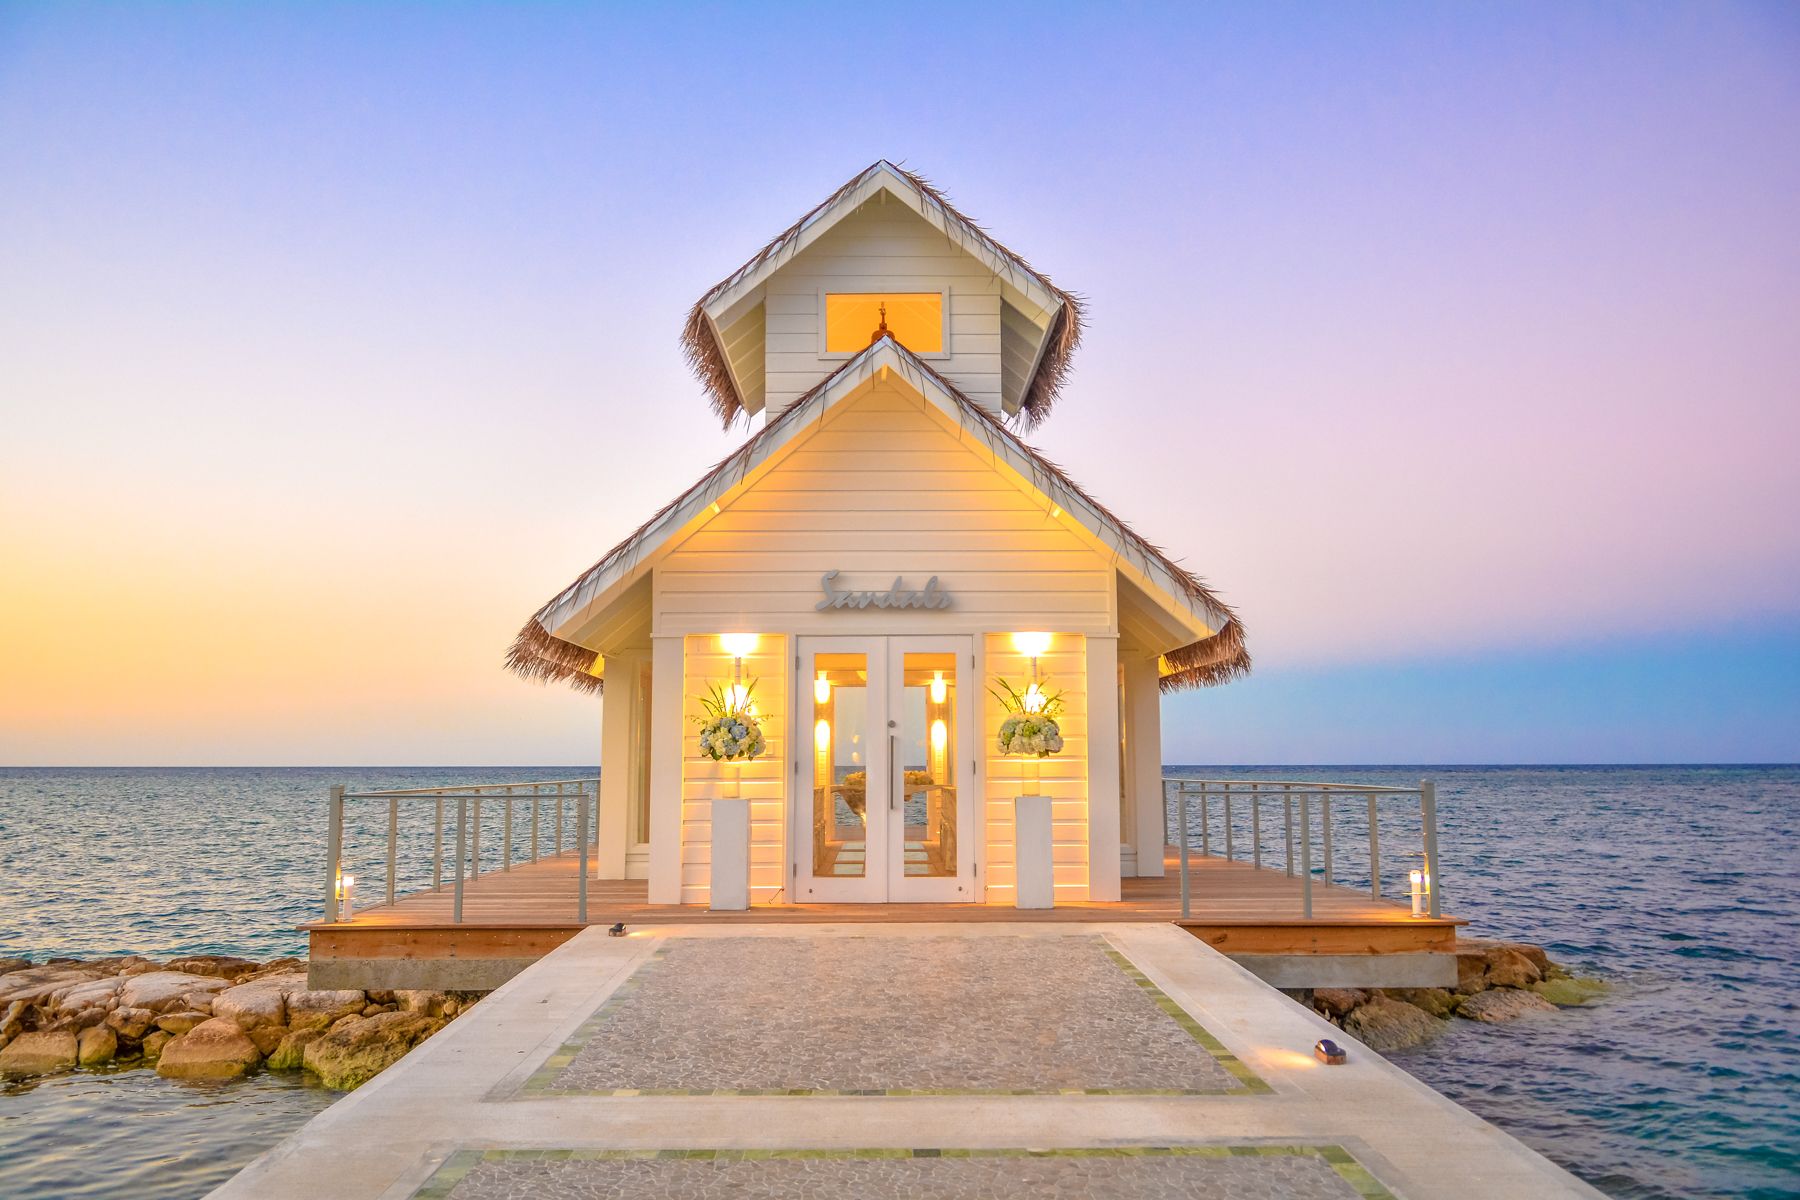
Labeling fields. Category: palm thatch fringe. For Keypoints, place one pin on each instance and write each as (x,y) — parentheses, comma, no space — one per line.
(706,357)
(536,654)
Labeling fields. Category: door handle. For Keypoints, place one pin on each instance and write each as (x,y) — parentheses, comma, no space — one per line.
(893,791)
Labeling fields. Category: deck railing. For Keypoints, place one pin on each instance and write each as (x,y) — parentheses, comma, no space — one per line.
(554,800)
(1209,801)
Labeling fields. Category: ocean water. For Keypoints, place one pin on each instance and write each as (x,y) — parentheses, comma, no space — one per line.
(1680,885)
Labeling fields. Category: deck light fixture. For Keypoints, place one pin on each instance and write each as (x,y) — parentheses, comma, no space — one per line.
(346,893)
(618,930)
(1421,888)
(1329,1053)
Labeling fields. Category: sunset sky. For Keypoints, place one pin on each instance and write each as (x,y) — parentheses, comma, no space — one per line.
(1457,346)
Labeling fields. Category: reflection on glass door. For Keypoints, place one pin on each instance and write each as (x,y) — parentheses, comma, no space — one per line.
(927,745)
(840,773)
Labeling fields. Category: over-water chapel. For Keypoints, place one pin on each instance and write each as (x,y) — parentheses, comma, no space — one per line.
(813,657)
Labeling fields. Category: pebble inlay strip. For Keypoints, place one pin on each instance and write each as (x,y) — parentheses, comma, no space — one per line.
(1196,1172)
(860,1016)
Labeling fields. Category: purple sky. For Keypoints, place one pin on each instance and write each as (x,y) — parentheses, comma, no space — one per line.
(1459,348)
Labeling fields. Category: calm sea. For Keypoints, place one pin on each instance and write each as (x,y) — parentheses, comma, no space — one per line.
(1681,885)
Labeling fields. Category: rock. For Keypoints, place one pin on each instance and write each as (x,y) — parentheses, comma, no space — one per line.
(1509,968)
(357,1051)
(1503,1004)
(1570,991)
(1337,1002)
(9,965)
(214,1049)
(266,1037)
(35,985)
(252,1005)
(290,1055)
(132,1023)
(1471,970)
(168,991)
(1383,1025)
(179,1023)
(75,1022)
(89,993)
(1436,1001)
(143,968)
(371,1010)
(154,1043)
(12,1023)
(38,1054)
(219,966)
(309,1010)
(96,1046)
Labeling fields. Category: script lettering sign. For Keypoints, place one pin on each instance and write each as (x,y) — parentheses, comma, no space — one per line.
(898,596)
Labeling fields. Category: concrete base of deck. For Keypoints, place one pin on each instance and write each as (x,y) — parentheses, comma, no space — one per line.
(512,918)
(522,1092)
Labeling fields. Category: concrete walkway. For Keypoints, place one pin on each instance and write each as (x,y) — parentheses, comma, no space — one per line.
(1096,1060)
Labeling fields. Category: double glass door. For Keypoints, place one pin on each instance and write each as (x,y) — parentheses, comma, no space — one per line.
(885,805)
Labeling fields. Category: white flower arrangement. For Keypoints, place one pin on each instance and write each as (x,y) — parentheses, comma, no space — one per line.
(730,732)
(1030,729)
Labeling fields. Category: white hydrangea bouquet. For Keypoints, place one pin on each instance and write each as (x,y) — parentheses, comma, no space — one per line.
(729,730)
(1030,729)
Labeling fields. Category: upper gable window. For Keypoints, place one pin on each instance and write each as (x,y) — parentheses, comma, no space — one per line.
(915,319)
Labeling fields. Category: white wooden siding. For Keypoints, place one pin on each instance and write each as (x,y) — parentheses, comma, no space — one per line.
(883,489)
(882,247)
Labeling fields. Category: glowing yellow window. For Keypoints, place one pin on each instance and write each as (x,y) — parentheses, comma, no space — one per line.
(915,319)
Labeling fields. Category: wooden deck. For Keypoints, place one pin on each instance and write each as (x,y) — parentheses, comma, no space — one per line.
(528,911)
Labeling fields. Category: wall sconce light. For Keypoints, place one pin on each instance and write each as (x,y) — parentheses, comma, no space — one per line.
(738,645)
(1031,645)
(940,735)
(939,688)
(1421,889)
(1329,1053)
(822,735)
(821,689)
(346,894)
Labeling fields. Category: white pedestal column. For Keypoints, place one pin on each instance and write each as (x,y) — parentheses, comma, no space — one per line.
(1031,826)
(730,855)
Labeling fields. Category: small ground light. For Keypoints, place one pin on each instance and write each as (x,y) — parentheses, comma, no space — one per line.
(1329,1052)
(617,930)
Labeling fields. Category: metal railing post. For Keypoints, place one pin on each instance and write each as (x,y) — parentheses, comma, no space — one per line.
(475,841)
(535,805)
(1182,819)
(462,847)
(1374,849)
(334,848)
(1228,856)
(1205,825)
(581,822)
(506,836)
(1428,814)
(557,843)
(1255,828)
(1306,854)
(1165,803)
(1287,816)
(437,849)
(393,836)
(1325,820)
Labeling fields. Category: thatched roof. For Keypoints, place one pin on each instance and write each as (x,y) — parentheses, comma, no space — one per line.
(699,337)
(1218,658)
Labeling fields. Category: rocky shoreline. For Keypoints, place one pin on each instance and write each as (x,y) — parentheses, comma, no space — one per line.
(206,1017)
(1495,982)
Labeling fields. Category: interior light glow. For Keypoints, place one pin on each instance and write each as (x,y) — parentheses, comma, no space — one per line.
(822,735)
(1034,698)
(821,689)
(1031,645)
(940,735)
(738,645)
(939,688)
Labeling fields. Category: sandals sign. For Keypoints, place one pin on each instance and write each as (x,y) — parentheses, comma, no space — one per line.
(898,596)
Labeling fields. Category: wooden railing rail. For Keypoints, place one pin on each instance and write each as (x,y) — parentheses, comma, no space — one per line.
(1194,797)
(583,794)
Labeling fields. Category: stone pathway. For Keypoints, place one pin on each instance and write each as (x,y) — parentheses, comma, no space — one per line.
(886,1016)
(1229,1173)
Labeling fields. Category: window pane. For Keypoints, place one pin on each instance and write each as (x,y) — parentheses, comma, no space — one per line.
(840,765)
(915,319)
(928,749)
